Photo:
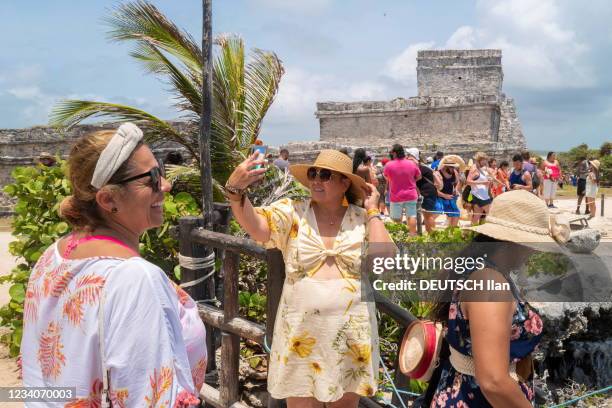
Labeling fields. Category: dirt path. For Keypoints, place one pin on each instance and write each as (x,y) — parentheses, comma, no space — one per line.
(8,366)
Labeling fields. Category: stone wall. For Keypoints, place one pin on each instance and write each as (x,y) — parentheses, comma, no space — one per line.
(416,125)
(21,147)
(459,72)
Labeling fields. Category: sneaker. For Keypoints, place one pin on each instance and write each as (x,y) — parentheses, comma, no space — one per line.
(553,206)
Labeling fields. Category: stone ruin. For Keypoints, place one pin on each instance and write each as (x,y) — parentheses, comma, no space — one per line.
(460,109)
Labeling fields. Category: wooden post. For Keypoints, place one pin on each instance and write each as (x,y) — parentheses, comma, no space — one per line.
(603,201)
(202,290)
(206,114)
(276,278)
(419,220)
(230,343)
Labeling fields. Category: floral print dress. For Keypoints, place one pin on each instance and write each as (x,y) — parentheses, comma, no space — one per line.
(325,338)
(462,391)
(154,339)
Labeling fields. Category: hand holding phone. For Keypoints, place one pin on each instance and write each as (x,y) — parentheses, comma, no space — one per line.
(261,151)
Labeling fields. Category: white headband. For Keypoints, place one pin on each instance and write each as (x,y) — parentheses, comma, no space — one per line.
(116,153)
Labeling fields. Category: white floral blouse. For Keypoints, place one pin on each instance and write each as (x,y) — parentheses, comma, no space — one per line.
(154,339)
(325,337)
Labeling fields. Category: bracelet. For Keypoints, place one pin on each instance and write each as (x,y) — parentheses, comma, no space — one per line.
(234,190)
(373,211)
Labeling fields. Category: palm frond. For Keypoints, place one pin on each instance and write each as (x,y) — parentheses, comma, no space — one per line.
(142,21)
(70,112)
(262,78)
(183,85)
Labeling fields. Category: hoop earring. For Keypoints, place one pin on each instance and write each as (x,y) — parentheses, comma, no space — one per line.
(114,210)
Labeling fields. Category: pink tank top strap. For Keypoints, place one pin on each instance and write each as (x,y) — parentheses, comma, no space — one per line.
(73,242)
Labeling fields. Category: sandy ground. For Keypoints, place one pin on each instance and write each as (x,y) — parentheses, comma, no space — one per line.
(8,366)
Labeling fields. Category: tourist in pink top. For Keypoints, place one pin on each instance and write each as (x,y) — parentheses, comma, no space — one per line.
(402,175)
(552,174)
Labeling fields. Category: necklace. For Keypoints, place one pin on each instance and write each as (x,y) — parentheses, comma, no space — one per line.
(331,221)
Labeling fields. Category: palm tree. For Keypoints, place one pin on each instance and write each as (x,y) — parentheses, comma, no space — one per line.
(243,88)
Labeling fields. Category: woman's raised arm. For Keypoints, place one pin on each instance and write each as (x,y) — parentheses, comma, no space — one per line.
(243,176)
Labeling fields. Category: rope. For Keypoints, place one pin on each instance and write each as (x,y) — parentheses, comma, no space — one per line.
(391,381)
(265,345)
(197,263)
(196,281)
(588,394)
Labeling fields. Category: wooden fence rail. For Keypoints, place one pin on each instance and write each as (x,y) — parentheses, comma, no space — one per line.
(196,241)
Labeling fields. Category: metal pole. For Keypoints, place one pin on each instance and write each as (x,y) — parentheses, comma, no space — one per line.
(603,200)
(206,117)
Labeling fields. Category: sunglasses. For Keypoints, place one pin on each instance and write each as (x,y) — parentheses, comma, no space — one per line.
(156,174)
(324,174)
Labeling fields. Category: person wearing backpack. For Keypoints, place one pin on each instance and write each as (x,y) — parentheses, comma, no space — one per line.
(448,191)
(520,179)
(583,169)
(427,189)
(533,171)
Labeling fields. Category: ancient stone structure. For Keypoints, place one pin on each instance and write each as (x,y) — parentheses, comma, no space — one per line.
(460,108)
(21,147)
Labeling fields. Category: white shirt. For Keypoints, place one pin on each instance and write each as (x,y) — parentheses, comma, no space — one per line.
(153,336)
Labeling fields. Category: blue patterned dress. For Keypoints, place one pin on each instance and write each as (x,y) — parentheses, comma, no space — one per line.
(458,390)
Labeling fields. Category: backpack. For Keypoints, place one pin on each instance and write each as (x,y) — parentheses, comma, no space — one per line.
(535,179)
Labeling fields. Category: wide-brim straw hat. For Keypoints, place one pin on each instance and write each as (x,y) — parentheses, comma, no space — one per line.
(335,161)
(453,160)
(420,349)
(595,163)
(519,216)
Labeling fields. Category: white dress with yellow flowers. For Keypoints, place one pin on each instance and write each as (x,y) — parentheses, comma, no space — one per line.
(325,337)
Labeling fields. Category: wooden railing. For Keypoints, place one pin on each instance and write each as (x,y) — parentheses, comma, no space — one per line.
(195,242)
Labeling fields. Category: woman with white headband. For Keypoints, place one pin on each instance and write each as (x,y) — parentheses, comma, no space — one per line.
(97,316)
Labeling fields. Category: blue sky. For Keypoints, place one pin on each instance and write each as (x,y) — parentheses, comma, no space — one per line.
(556,57)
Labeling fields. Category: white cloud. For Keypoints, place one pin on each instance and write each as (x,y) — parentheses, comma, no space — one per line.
(300,91)
(26,92)
(402,68)
(463,38)
(539,51)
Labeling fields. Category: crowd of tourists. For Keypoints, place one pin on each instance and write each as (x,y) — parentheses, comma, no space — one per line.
(443,184)
(100,318)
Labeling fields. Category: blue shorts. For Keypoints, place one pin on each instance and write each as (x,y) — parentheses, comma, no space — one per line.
(398,207)
(449,207)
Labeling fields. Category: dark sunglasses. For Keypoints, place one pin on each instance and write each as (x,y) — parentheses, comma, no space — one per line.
(156,174)
(324,174)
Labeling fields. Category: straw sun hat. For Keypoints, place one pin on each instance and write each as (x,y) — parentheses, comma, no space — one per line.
(335,161)
(452,160)
(595,163)
(519,216)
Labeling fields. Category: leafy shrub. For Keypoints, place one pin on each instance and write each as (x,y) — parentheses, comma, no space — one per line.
(36,225)
(39,191)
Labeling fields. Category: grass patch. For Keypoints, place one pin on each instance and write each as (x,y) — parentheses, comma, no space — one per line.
(570,192)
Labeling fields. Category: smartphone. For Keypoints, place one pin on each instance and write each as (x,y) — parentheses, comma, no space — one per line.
(262,150)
